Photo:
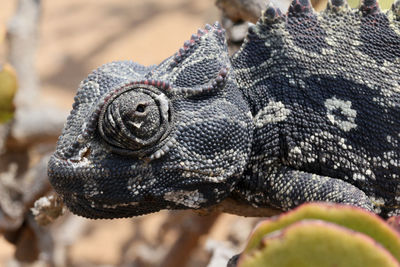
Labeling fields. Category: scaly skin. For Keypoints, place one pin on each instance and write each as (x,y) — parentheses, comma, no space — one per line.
(307,110)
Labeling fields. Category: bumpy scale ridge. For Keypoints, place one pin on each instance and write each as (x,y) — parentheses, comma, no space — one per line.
(190,45)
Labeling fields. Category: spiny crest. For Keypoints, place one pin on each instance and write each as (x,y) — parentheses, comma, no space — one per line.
(191,45)
(366,35)
(302,8)
(311,31)
(200,66)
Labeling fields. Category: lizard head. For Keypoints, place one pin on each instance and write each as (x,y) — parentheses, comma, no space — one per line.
(141,139)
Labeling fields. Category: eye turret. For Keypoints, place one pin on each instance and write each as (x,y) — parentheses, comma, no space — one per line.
(135,120)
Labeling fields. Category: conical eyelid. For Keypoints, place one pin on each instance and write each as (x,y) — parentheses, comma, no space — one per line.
(128,143)
(91,123)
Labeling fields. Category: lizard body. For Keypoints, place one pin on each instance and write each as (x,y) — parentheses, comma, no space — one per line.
(307,110)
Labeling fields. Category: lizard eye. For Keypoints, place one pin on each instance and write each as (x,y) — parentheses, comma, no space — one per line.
(135,120)
(141,108)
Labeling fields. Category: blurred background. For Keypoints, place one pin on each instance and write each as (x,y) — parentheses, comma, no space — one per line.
(46,49)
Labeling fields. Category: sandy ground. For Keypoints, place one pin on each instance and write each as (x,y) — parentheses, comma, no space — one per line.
(78,36)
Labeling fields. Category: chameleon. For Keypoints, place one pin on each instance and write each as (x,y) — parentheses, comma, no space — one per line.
(307,110)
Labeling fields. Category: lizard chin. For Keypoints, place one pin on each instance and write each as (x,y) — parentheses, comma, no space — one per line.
(92,209)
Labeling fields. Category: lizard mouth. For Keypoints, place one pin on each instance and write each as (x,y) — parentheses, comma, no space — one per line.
(82,206)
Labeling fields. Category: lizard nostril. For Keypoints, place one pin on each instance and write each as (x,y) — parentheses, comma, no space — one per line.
(86,153)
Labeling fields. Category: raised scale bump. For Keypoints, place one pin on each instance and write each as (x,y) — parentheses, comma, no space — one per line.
(300,7)
(369,7)
(159,84)
(337,5)
(272,14)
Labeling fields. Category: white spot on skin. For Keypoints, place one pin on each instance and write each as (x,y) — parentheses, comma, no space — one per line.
(296,150)
(359,177)
(191,199)
(162,151)
(80,160)
(164,105)
(378,203)
(392,158)
(82,152)
(115,206)
(344,107)
(273,112)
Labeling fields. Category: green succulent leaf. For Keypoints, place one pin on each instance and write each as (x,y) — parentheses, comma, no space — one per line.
(350,217)
(8,88)
(315,243)
(384,4)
